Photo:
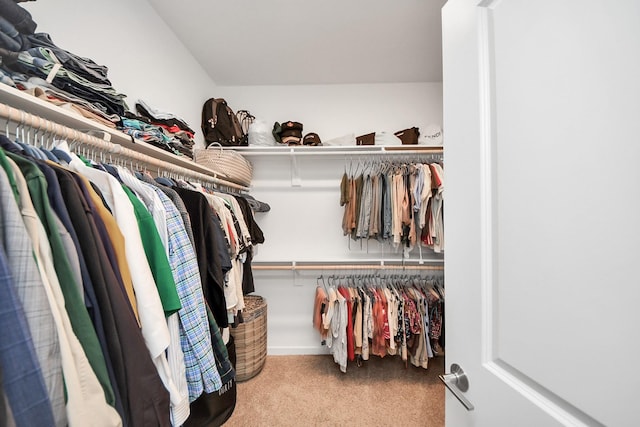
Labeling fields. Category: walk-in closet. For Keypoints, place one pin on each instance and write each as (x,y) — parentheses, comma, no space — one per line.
(427,214)
(295,243)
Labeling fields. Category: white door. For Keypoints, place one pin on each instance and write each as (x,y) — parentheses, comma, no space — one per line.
(542,155)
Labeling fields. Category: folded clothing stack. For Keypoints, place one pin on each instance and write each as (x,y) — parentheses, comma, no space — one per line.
(177,129)
(141,128)
(36,55)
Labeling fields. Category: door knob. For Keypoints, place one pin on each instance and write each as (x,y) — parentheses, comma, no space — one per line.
(457,383)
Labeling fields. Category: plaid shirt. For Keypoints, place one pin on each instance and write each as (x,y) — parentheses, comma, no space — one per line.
(195,336)
(30,292)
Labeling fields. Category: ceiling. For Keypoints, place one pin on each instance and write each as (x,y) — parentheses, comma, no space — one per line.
(302,42)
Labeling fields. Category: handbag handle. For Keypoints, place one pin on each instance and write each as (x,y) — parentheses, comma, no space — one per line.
(219,146)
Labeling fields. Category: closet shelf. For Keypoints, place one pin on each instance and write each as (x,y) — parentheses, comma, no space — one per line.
(351,264)
(341,151)
(36,113)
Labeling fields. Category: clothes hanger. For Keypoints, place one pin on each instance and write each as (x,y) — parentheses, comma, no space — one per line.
(365,169)
(13,139)
(358,166)
(324,285)
(37,143)
(330,281)
(352,280)
(25,143)
(44,139)
(20,129)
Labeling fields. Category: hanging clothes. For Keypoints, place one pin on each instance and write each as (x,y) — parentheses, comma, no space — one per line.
(400,204)
(195,335)
(210,248)
(86,396)
(382,316)
(114,303)
(256,237)
(136,375)
(30,290)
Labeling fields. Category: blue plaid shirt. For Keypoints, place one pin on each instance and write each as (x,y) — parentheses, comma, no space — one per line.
(195,337)
(20,371)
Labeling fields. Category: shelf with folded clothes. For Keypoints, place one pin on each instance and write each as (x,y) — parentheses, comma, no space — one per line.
(22,124)
(17,99)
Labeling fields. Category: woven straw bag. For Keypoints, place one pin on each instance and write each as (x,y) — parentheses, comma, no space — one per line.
(231,165)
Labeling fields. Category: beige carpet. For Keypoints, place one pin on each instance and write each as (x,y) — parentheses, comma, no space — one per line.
(311,391)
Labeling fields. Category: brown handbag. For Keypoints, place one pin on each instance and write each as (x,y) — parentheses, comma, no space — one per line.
(408,136)
(366,139)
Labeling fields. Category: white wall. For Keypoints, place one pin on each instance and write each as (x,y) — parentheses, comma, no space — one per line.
(304,224)
(336,110)
(145,59)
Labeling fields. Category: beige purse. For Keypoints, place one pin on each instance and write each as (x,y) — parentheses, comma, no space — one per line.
(229,164)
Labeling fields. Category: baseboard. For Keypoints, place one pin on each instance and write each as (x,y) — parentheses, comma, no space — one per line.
(299,350)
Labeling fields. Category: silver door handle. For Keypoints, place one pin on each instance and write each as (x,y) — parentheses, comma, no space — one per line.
(457,383)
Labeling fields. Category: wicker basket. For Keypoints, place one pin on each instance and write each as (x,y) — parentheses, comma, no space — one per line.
(251,338)
(231,165)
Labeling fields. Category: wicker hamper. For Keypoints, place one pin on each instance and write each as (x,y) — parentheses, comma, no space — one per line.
(230,165)
(251,338)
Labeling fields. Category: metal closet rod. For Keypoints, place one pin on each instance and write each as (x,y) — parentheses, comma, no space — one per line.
(382,265)
(23,118)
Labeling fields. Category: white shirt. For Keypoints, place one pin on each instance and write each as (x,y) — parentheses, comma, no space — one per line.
(150,199)
(425,195)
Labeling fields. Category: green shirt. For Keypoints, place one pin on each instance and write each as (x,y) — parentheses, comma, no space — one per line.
(156,256)
(12,179)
